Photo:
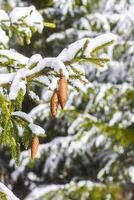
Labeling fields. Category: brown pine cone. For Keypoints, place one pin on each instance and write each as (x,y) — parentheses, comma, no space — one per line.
(54,104)
(34,146)
(62,91)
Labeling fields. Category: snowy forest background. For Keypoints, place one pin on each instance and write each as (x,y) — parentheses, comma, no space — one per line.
(89,149)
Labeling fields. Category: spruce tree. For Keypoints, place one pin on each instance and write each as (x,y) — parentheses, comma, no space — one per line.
(95,156)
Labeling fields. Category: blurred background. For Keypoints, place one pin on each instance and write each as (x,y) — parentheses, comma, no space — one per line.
(89,149)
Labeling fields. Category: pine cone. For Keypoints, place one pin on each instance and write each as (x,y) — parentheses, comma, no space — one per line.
(34,146)
(62,91)
(54,104)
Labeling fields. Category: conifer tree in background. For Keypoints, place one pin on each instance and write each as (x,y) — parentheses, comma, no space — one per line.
(88,151)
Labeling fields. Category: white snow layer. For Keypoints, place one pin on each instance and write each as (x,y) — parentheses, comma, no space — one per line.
(14,89)
(131,173)
(9,193)
(13,55)
(3,37)
(69,53)
(53,63)
(37,130)
(4,18)
(116,117)
(6,78)
(46,94)
(36,64)
(29,15)
(23,115)
(99,41)
(34,60)
(34,96)
(40,192)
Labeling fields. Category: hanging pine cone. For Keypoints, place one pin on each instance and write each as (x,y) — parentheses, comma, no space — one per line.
(34,146)
(62,91)
(54,104)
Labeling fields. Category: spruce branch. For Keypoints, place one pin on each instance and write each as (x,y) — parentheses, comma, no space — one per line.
(21,72)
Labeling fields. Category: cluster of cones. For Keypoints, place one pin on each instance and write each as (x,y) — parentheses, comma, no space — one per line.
(59,97)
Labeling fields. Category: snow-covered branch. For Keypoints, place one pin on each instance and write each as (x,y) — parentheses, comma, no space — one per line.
(18,75)
(7,194)
(50,68)
(21,21)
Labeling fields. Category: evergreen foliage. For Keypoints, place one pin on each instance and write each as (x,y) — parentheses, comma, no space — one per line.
(88,152)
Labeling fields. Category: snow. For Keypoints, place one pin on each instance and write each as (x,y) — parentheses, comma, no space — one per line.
(29,15)
(55,36)
(9,193)
(99,41)
(3,37)
(1,129)
(15,174)
(53,83)
(53,63)
(37,130)
(34,60)
(68,145)
(65,6)
(44,80)
(42,111)
(131,173)
(74,125)
(24,159)
(12,54)
(40,191)
(69,53)
(20,130)
(100,140)
(6,78)
(34,96)
(23,115)
(36,110)
(4,18)
(107,166)
(56,64)
(61,35)
(22,85)
(14,89)
(100,21)
(3,70)
(46,94)
(97,94)
(78,84)
(101,93)
(116,118)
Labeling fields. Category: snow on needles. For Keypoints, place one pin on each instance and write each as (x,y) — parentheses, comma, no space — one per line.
(9,193)
(34,60)
(37,130)
(23,115)
(14,56)
(69,53)
(99,41)
(36,64)
(54,63)
(4,18)
(24,19)
(33,127)
(3,37)
(14,89)
(29,15)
